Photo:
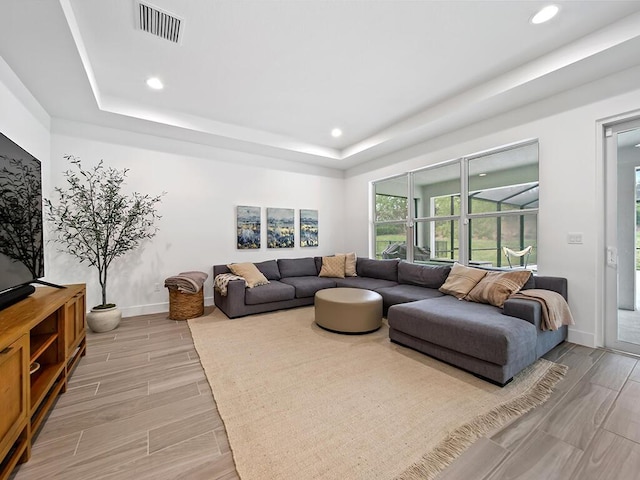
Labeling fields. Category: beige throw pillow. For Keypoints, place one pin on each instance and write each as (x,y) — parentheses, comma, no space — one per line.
(496,287)
(349,264)
(252,276)
(461,280)
(333,266)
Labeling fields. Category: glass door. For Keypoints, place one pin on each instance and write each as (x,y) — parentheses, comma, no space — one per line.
(622,231)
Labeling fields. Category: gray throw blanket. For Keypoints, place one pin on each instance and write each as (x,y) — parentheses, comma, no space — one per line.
(187,282)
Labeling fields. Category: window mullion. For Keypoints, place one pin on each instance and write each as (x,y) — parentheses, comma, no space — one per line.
(463,241)
(411,215)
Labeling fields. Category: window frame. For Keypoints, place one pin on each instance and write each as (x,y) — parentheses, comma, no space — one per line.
(465,216)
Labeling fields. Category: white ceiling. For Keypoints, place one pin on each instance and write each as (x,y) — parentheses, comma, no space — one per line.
(274,77)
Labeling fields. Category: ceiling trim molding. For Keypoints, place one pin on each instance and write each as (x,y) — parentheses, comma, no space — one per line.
(204,125)
(70,16)
(17,88)
(580,50)
(472,105)
(117,136)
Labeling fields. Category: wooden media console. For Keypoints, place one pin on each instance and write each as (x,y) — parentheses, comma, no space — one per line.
(41,340)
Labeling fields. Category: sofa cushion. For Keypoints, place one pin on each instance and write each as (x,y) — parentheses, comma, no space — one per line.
(308,286)
(333,266)
(297,267)
(430,276)
(406,293)
(382,269)
(363,282)
(461,280)
(531,283)
(252,276)
(350,264)
(475,329)
(269,269)
(495,287)
(274,291)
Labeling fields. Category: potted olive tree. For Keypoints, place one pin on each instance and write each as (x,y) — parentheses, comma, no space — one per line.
(96,222)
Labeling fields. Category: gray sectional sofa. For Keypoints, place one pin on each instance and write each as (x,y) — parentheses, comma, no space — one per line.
(488,341)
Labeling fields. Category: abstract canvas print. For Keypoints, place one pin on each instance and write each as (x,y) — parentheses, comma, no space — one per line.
(280,228)
(248,227)
(308,228)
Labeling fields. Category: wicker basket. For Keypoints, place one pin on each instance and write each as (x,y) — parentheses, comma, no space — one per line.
(183,306)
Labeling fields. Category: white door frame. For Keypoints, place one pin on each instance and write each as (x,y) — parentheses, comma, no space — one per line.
(607,331)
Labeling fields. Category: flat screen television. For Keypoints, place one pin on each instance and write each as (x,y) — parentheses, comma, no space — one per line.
(21,239)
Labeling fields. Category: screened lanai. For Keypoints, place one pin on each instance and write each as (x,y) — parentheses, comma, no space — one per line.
(463,210)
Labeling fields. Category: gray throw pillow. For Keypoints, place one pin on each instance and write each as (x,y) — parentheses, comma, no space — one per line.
(297,267)
(269,269)
(429,276)
(381,269)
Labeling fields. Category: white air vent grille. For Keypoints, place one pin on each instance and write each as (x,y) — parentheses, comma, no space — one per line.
(159,23)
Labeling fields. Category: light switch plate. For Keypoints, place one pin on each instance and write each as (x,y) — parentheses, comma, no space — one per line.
(574,238)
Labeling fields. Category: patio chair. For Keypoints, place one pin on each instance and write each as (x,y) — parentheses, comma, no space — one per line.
(518,254)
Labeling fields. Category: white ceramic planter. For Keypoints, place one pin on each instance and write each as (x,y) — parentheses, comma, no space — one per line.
(103,319)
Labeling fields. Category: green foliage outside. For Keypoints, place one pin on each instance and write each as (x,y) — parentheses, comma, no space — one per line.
(484,243)
(390,207)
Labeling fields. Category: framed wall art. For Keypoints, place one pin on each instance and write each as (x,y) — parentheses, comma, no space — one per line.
(248,227)
(308,228)
(280,228)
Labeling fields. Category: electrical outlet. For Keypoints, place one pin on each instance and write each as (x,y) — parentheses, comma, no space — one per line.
(157,287)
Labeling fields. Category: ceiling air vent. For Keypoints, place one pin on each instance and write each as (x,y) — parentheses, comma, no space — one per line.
(159,23)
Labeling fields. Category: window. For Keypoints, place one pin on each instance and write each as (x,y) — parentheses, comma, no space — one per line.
(468,221)
(503,204)
(437,190)
(391,212)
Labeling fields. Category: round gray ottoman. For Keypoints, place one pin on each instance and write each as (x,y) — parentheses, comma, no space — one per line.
(348,310)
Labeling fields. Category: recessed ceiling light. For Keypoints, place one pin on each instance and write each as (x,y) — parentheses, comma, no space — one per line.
(545,14)
(482,174)
(336,132)
(637,146)
(155,83)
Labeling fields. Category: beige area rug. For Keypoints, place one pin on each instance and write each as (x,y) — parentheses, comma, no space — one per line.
(302,403)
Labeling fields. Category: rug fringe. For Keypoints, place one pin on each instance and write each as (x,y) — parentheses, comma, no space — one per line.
(460,439)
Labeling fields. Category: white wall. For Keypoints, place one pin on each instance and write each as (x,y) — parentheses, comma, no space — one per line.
(197,229)
(571,189)
(22,119)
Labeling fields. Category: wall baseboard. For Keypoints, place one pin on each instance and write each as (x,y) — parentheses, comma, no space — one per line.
(154,308)
(581,338)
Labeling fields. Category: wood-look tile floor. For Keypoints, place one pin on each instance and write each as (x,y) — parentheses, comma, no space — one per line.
(139,407)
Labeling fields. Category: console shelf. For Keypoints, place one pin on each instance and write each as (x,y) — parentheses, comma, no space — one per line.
(39,344)
(41,340)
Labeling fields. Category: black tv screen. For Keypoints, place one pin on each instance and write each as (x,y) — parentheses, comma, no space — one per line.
(21,242)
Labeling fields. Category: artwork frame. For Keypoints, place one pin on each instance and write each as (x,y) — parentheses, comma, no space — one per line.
(308,228)
(281,228)
(248,227)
